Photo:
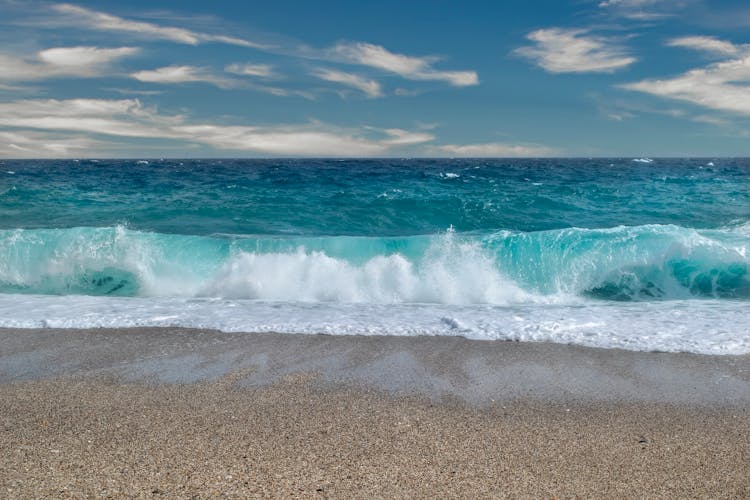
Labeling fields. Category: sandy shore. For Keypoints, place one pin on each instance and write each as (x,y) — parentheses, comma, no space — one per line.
(189,412)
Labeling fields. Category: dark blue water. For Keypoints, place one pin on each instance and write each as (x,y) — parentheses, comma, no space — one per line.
(372,197)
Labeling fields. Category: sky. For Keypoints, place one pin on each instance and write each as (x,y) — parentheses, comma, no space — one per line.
(438,78)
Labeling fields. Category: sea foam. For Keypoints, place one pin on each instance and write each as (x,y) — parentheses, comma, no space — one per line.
(698,326)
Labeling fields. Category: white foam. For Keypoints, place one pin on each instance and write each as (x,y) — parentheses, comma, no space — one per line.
(699,326)
(451,273)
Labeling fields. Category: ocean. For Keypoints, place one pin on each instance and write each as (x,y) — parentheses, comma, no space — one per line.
(639,254)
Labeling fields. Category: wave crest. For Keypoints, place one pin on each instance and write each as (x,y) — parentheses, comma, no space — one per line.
(623,263)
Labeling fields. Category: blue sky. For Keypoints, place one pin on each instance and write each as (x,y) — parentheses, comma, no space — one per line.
(387,78)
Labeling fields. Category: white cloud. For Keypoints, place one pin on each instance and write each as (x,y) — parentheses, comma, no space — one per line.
(705,44)
(306,140)
(370,88)
(68,127)
(628,3)
(617,115)
(15,88)
(280,92)
(84,56)
(361,53)
(559,50)
(123,118)
(259,70)
(711,120)
(401,137)
(41,145)
(494,149)
(620,110)
(720,86)
(100,21)
(409,67)
(181,74)
(133,92)
(643,10)
(57,62)
(194,74)
(129,118)
(14,69)
(406,92)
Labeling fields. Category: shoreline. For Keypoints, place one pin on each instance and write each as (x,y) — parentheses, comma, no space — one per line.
(198,412)
(473,371)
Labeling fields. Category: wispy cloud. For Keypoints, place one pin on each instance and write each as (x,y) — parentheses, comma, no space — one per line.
(711,120)
(133,92)
(616,115)
(84,57)
(258,70)
(304,140)
(370,88)
(355,52)
(627,3)
(493,149)
(83,62)
(408,67)
(195,74)
(621,110)
(122,118)
(67,127)
(182,74)
(721,86)
(129,118)
(643,10)
(400,137)
(28,144)
(100,21)
(560,50)
(705,44)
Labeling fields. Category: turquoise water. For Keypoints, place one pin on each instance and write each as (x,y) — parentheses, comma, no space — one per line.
(372,197)
(346,238)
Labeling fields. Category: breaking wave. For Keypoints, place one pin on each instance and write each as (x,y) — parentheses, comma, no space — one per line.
(625,263)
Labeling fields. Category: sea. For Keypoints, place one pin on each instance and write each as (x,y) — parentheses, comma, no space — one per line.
(633,253)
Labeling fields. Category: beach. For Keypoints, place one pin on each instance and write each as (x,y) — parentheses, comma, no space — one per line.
(185,412)
(375,250)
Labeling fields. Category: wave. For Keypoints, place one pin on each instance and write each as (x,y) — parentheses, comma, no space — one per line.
(626,263)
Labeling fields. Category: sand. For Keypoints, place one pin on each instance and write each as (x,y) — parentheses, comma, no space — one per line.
(185,413)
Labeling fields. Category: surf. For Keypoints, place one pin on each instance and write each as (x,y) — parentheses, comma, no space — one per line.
(623,263)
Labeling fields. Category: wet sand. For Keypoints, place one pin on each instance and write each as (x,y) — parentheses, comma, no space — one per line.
(191,412)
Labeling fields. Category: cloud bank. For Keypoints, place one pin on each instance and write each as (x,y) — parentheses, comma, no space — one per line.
(129,118)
